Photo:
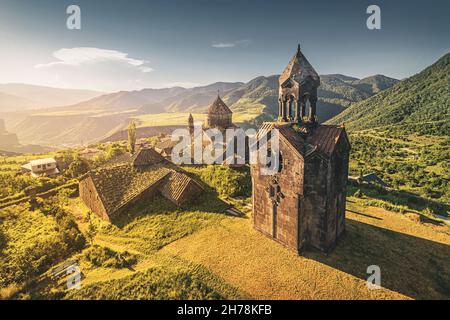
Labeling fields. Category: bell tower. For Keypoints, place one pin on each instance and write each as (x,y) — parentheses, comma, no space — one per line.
(298,87)
(191,125)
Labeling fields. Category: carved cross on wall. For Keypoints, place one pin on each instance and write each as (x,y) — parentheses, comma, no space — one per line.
(275,193)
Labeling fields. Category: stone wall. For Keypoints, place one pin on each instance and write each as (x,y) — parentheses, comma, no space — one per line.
(189,194)
(277,215)
(309,210)
(145,195)
(90,197)
(315,208)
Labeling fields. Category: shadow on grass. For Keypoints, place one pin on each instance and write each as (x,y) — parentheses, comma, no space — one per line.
(208,202)
(415,267)
(364,214)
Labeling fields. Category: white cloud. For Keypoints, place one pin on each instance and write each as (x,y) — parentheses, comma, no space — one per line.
(223,45)
(85,55)
(233,44)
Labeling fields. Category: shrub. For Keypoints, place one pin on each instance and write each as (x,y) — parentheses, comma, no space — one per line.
(107,258)
(228,181)
(78,168)
(35,241)
(358,194)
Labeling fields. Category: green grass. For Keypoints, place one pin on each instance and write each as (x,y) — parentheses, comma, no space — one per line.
(417,164)
(13,164)
(33,240)
(153,224)
(180,118)
(170,278)
(197,252)
(228,182)
(412,257)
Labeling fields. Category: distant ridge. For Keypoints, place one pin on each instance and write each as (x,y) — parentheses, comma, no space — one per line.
(257,99)
(18,96)
(422,98)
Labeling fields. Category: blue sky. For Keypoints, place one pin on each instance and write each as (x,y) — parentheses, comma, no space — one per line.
(126,45)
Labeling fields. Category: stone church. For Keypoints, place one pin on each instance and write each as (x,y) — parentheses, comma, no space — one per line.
(303,205)
(219,116)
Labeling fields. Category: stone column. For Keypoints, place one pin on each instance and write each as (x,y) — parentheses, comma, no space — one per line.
(297,118)
(280,109)
(291,107)
(302,108)
(284,107)
(312,108)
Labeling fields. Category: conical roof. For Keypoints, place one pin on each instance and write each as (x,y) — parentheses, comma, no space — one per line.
(299,69)
(219,107)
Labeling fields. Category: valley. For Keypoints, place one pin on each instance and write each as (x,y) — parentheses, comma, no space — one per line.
(252,103)
(209,250)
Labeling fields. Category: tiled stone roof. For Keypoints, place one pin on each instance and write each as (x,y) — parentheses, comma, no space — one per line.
(123,180)
(321,138)
(166,144)
(177,183)
(219,108)
(120,184)
(299,69)
(146,157)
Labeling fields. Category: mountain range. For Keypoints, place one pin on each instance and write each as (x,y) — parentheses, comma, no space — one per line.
(19,97)
(103,115)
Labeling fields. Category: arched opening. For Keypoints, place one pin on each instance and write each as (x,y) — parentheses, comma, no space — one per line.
(280,162)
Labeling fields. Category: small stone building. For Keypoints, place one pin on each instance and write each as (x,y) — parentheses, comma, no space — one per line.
(165,147)
(219,115)
(114,188)
(303,204)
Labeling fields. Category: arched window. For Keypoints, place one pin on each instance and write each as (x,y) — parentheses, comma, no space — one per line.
(280,162)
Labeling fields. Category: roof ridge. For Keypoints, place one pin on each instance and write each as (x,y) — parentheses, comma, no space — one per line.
(219,106)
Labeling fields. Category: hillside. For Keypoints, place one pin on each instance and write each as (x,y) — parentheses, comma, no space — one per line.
(251,102)
(9,143)
(18,97)
(10,102)
(260,96)
(420,103)
(66,129)
(402,134)
(194,99)
(158,251)
(122,100)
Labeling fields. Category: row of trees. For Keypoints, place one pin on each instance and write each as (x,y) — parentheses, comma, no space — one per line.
(403,165)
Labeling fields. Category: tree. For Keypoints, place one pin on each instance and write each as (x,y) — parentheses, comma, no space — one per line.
(132,137)
(91,231)
(77,168)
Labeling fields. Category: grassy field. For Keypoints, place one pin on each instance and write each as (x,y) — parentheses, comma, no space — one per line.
(180,118)
(12,164)
(158,251)
(412,257)
(204,254)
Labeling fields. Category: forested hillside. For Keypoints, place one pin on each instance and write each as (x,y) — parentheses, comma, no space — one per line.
(402,134)
(419,104)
